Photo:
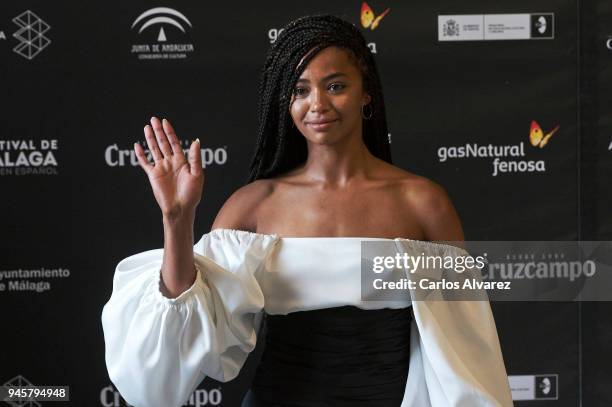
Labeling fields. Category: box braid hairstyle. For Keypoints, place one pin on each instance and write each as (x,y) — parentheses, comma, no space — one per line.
(280,146)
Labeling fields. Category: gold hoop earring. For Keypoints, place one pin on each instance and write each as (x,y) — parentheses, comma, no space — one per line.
(363,113)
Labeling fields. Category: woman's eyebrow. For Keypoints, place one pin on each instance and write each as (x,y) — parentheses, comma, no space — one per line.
(328,77)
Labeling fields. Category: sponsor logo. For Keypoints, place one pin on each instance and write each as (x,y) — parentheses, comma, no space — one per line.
(110,397)
(28,157)
(367,17)
(505,158)
(164,18)
(33,280)
(115,156)
(450,28)
(537,136)
(479,27)
(534,387)
(544,266)
(542,25)
(30,34)
(460,28)
(546,387)
(273,34)
(369,20)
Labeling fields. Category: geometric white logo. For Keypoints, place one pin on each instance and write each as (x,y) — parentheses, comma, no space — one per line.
(153,17)
(541,25)
(30,34)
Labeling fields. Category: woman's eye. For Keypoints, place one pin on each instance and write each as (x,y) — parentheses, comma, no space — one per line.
(336,87)
(299,91)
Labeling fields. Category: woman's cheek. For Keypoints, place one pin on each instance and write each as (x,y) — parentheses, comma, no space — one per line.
(298,110)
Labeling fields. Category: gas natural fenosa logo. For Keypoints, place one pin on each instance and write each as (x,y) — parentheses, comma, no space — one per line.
(537,136)
(503,156)
(368,18)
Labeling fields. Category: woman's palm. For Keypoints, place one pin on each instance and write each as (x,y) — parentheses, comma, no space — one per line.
(177,183)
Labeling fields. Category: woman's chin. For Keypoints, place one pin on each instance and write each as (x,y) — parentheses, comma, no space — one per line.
(323,137)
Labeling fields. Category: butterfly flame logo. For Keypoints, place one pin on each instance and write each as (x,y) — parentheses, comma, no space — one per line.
(537,136)
(368,19)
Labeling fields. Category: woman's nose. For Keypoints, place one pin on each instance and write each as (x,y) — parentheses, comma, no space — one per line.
(318,101)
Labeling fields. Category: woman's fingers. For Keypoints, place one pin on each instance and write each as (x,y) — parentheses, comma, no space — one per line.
(152,143)
(175,145)
(162,140)
(195,158)
(142,158)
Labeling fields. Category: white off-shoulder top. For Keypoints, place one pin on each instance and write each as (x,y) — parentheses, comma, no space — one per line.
(159,349)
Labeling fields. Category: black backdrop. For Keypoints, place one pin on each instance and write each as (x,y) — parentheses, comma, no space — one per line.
(80,97)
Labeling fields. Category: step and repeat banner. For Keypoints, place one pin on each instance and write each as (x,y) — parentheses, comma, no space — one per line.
(507,105)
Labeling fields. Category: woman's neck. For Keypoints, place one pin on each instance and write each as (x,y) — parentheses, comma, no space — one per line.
(337,164)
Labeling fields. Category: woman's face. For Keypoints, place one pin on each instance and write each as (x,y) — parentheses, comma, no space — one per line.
(327,99)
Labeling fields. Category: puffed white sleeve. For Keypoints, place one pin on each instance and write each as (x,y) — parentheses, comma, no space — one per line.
(455,354)
(158,349)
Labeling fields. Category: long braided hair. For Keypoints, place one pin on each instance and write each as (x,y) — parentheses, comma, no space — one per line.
(280,146)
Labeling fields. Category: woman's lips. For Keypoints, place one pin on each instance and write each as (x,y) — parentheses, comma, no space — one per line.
(323,125)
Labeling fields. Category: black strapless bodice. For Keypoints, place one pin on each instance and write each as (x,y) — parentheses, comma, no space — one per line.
(335,356)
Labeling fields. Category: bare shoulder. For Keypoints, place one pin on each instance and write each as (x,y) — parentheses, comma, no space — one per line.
(434,209)
(415,189)
(422,193)
(239,210)
(430,204)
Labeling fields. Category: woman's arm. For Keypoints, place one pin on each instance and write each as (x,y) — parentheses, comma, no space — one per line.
(177,184)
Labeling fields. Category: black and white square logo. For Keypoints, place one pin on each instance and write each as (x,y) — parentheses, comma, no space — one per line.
(542,25)
(546,387)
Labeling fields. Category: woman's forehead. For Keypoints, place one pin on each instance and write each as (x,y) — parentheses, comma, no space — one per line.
(330,59)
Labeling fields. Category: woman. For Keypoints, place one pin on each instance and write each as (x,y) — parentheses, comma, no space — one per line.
(322,179)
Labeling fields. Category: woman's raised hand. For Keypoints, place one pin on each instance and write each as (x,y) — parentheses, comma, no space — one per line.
(177,183)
